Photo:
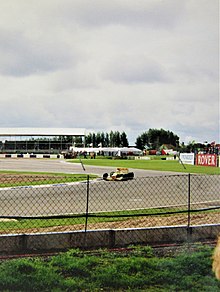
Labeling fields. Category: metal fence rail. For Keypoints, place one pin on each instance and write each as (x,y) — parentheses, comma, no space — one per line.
(45,203)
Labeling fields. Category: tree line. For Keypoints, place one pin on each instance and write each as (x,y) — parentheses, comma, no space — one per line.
(155,138)
(112,139)
(151,139)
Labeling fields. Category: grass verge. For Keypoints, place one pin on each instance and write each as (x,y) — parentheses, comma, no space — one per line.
(136,269)
(15,178)
(160,165)
(79,221)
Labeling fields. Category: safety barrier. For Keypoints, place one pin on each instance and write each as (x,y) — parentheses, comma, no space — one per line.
(31,156)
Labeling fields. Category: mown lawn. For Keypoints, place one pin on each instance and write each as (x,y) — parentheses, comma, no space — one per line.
(154,164)
(136,269)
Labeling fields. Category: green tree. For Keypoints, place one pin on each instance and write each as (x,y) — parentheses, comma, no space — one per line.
(94,143)
(117,139)
(107,143)
(88,139)
(98,139)
(155,138)
(102,139)
(142,141)
(112,139)
(124,140)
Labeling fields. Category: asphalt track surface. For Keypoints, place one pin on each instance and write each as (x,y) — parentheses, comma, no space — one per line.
(149,189)
(59,165)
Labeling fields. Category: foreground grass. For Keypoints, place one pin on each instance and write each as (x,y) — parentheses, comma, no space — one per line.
(161,165)
(140,269)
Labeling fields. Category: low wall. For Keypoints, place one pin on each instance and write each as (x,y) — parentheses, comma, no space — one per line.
(92,239)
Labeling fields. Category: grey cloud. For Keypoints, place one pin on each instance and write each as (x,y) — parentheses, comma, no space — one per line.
(156,14)
(134,69)
(82,62)
(153,13)
(21,56)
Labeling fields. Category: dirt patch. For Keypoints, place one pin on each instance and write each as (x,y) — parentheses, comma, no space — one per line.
(18,178)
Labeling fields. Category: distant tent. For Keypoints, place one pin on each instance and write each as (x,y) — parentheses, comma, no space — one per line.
(131,151)
(111,151)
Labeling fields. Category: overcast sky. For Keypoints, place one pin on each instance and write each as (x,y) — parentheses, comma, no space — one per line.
(121,65)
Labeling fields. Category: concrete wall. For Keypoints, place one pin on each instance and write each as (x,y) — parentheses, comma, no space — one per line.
(47,242)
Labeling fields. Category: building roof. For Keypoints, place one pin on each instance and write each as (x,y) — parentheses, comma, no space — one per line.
(42,132)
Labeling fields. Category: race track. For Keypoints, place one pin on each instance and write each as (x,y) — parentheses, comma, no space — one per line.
(149,189)
(56,165)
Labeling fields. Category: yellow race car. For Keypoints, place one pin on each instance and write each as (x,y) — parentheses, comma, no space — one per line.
(118,175)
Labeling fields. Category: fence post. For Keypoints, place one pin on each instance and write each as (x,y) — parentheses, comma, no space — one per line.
(189,231)
(87,209)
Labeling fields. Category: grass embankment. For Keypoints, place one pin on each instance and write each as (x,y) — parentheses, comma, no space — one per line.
(154,164)
(138,269)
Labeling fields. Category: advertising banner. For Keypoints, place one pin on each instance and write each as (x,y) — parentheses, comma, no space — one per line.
(187,158)
(206,159)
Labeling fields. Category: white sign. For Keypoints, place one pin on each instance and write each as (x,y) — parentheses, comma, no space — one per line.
(142,158)
(187,158)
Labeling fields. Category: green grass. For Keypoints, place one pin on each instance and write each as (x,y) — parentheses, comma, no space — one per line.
(155,164)
(136,269)
(93,218)
(22,225)
(51,178)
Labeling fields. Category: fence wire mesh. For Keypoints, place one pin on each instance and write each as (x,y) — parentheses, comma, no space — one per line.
(51,203)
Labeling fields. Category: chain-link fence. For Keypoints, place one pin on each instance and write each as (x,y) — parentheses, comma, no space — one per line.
(60,203)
